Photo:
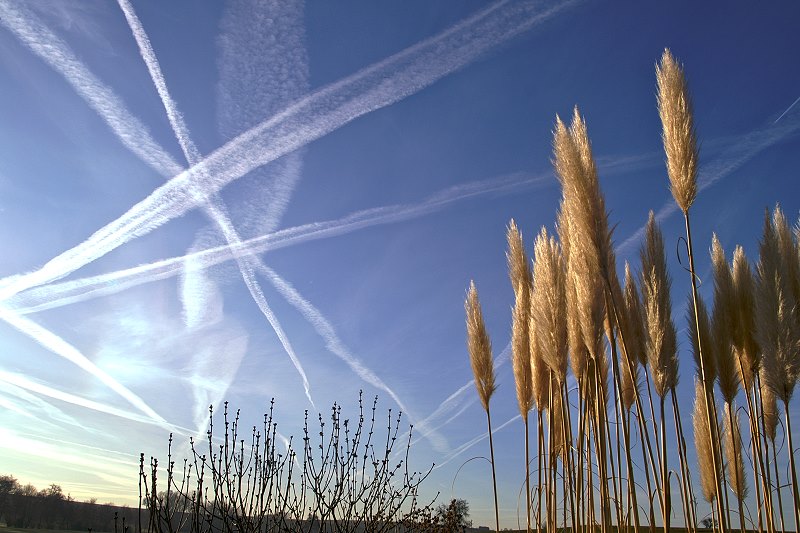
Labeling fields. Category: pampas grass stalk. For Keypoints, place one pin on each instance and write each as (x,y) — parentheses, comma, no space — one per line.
(732,447)
(777,328)
(702,440)
(480,356)
(661,338)
(680,147)
(520,275)
(549,319)
(748,356)
(769,418)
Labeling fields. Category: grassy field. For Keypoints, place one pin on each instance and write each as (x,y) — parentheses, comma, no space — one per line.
(4,529)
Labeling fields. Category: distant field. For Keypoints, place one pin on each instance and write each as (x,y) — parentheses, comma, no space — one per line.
(4,529)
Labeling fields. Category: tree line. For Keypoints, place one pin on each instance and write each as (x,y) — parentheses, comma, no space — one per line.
(25,506)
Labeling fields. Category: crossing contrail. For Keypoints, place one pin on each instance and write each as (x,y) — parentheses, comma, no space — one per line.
(308,119)
(60,347)
(68,292)
(472,442)
(211,202)
(133,134)
(335,345)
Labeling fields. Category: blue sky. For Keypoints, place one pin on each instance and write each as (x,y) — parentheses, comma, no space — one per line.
(362,160)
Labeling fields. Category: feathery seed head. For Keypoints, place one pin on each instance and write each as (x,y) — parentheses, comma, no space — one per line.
(662,345)
(548,305)
(633,308)
(777,330)
(518,267)
(680,143)
(480,347)
(520,350)
(723,322)
(540,383)
(747,349)
(577,348)
(769,406)
(732,445)
(702,442)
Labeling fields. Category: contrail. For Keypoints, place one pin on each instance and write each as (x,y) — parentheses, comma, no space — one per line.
(65,293)
(31,386)
(308,119)
(45,44)
(787,110)
(335,345)
(470,443)
(62,348)
(212,203)
(69,292)
(456,401)
(740,152)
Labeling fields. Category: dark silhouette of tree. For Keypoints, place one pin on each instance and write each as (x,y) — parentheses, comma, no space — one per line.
(454,516)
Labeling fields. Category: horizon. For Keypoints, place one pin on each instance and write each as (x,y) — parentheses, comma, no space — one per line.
(265,199)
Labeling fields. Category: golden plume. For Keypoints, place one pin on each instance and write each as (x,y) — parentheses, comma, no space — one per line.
(702,442)
(548,305)
(680,144)
(661,337)
(747,350)
(520,350)
(723,322)
(635,340)
(769,406)
(732,444)
(480,347)
(520,275)
(577,348)
(584,261)
(777,329)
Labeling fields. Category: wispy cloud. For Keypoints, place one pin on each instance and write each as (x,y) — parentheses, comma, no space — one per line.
(308,119)
(60,347)
(30,30)
(739,152)
(472,442)
(263,68)
(211,202)
(335,345)
(44,390)
(74,291)
(458,401)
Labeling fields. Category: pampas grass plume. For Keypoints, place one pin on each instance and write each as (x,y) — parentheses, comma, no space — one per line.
(723,322)
(702,442)
(680,143)
(480,347)
(661,337)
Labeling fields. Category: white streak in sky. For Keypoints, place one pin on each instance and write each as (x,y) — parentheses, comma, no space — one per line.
(69,292)
(60,347)
(732,158)
(24,383)
(211,203)
(335,345)
(458,401)
(45,44)
(310,118)
(470,443)
(787,110)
